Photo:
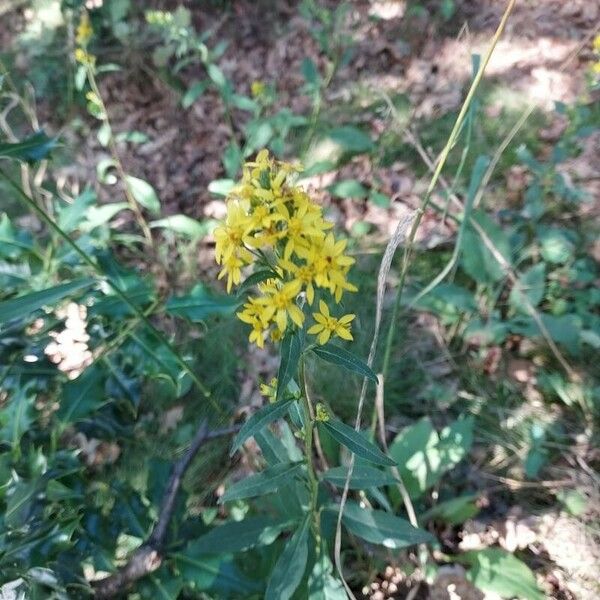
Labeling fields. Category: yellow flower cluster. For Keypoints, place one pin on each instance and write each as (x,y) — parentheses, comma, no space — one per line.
(84,30)
(82,37)
(274,224)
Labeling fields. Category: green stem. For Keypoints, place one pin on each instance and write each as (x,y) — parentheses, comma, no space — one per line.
(309,426)
(432,184)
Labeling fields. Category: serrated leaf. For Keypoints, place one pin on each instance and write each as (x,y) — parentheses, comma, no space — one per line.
(289,569)
(24,305)
(201,303)
(262,483)
(383,528)
(260,419)
(237,536)
(496,571)
(144,194)
(342,357)
(356,442)
(291,349)
(363,477)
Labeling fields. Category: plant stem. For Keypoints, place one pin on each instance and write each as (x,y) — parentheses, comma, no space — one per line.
(112,146)
(434,180)
(309,426)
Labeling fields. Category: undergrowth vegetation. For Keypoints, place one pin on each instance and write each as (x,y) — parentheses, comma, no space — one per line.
(298,394)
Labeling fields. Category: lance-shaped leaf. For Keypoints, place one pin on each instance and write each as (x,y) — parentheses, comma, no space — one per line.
(383,528)
(290,567)
(26,304)
(343,358)
(363,477)
(291,348)
(260,419)
(265,482)
(237,536)
(356,442)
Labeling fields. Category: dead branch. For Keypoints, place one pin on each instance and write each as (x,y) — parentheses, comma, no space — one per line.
(149,556)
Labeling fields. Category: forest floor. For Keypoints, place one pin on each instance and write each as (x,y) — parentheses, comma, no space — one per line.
(425,62)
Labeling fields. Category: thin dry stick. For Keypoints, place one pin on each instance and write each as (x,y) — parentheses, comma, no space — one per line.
(512,275)
(149,556)
(387,258)
(386,263)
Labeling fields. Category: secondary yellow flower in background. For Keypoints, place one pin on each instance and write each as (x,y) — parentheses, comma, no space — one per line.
(273,224)
(84,30)
(326,325)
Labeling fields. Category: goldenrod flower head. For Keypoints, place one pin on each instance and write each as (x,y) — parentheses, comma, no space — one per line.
(84,57)
(257,88)
(326,325)
(84,30)
(322,414)
(269,390)
(273,224)
(597,43)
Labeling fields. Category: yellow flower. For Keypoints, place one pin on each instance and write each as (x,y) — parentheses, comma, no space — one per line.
(276,225)
(279,304)
(322,413)
(84,57)
(331,265)
(252,314)
(597,43)
(84,30)
(326,325)
(269,390)
(257,88)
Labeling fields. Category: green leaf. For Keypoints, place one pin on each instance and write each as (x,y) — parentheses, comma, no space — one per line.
(144,194)
(556,247)
(100,215)
(363,477)
(454,511)
(322,585)
(310,72)
(351,139)
(193,93)
(82,396)
(232,159)
(496,571)
(17,414)
(201,303)
(221,187)
(33,148)
(237,536)
(342,357)
(476,259)
(217,76)
(290,567)
(23,306)
(383,528)
(530,286)
(182,224)
(291,349)
(356,442)
(348,188)
(269,480)
(260,419)
(256,278)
